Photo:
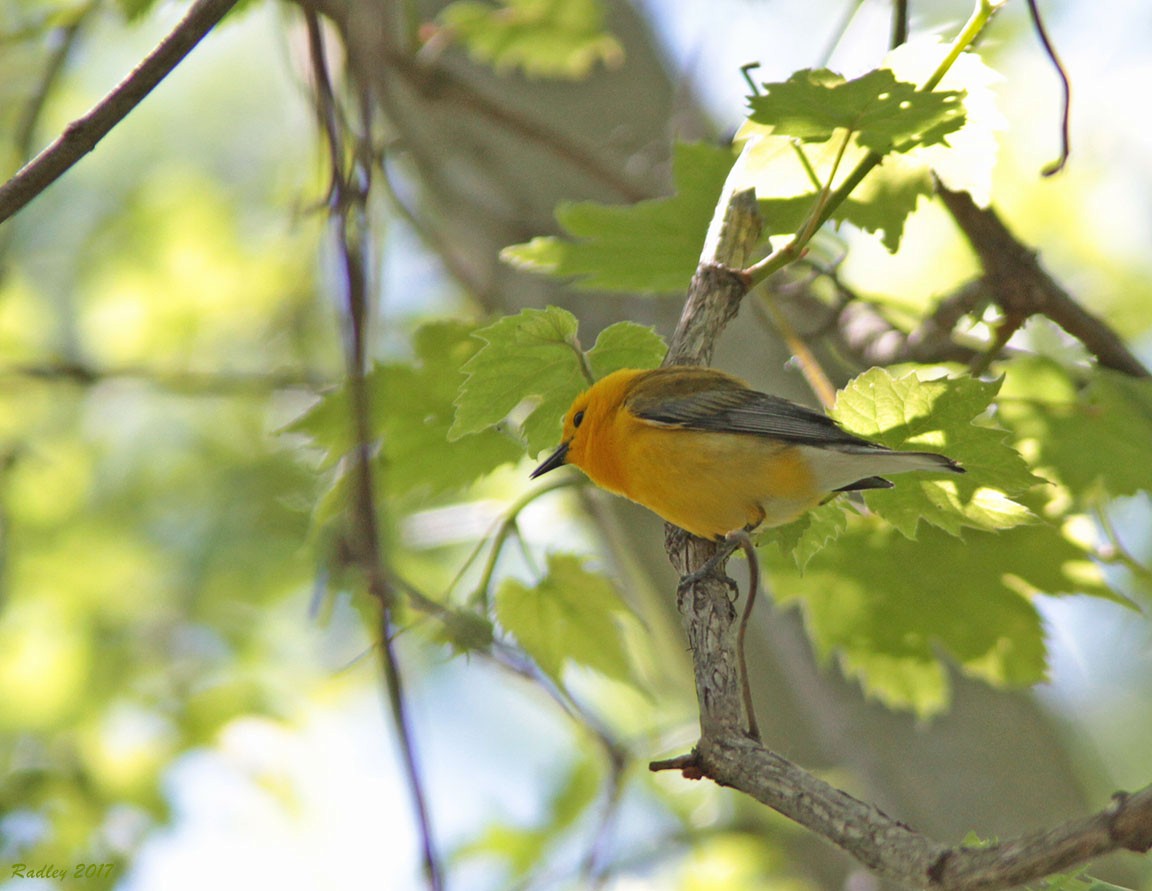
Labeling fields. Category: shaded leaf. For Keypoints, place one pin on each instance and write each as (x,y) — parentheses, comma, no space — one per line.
(570,616)
(1095,439)
(542,38)
(650,246)
(411,413)
(969,602)
(807,536)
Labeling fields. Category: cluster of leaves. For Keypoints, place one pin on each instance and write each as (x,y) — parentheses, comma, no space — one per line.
(800,137)
(543,38)
(446,419)
(984,534)
(992,538)
(988,536)
(982,539)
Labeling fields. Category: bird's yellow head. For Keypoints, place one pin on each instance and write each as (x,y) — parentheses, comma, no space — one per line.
(588,424)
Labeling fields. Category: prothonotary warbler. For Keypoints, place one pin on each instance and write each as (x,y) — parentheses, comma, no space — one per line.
(709,454)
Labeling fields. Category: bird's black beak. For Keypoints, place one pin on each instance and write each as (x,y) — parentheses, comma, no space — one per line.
(556,459)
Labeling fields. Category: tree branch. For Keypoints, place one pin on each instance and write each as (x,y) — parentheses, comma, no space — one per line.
(1022,287)
(82,135)
(728,756)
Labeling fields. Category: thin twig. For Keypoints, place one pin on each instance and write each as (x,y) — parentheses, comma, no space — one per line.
(187,382)
(899,23)
(348,198)
(65,39)
(827,205)
(744,542)
(83,134)
(1065,90)
(810,366)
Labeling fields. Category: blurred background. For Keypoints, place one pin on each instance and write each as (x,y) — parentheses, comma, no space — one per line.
(183,693)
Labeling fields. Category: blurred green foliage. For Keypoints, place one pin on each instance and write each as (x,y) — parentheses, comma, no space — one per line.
(173,435)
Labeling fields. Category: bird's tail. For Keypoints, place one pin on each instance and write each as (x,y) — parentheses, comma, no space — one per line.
(865,466)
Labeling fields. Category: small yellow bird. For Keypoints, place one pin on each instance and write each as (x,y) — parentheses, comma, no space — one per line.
(709,454)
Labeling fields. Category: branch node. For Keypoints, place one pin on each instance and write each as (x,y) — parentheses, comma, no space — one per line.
(688,765)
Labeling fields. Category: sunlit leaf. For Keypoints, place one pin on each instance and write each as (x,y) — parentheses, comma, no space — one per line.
(532,356)
(885,114)
(939,416)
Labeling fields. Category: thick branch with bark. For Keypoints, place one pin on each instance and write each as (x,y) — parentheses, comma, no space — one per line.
(1014,278)
(728,756)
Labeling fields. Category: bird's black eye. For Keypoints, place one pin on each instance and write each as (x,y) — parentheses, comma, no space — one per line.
(577,418)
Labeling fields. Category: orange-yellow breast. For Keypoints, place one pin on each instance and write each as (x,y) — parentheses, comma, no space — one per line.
(709,483)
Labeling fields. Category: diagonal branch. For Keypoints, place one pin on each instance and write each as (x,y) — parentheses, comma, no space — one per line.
(82,135)
(1022,287)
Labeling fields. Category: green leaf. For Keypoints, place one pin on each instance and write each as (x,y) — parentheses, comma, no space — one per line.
(536,357)
(532,355)
(907,413)
(626,345)
(969,600)
(966,162)
(411,413)
(651,246)
(463,630)
(1094,439)
(887,197)
(885,114)
(570,616)
(807,536)
(416,404)
(787,196)
(543,38)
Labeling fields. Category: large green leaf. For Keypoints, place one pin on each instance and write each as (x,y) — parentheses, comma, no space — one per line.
(891,609)
(535,359)
(885,114)
(651,246)
(533,355)
(939,415)
(572,615)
